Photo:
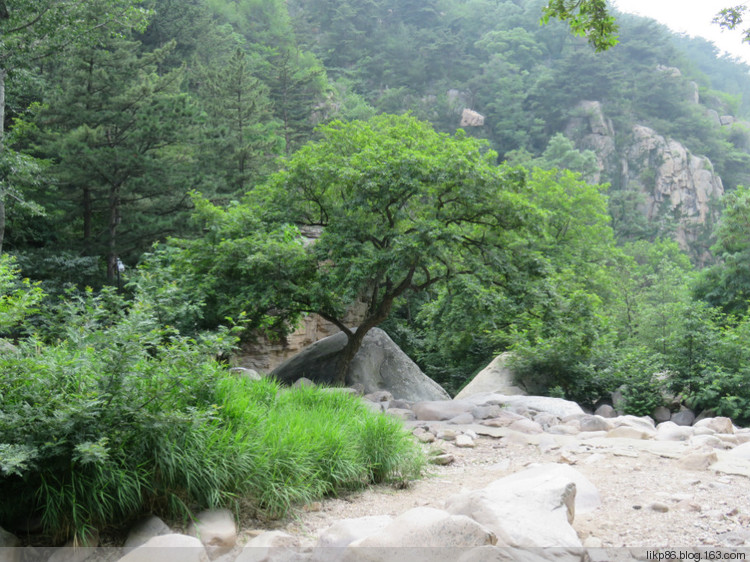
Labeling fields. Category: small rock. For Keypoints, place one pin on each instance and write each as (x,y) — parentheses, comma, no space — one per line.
(593,542)
(626,432)
(605,411)
(379,396)
(661,414)
(312,507)
(594,423)
(526,426)
(425,437)
(401,413)
(443,459)
(659,506)
(698,460)
(684,417)
(216,529)
(447,434)
(303,381)
(464,441)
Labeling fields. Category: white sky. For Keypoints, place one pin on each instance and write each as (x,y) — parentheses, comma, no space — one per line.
(693,17)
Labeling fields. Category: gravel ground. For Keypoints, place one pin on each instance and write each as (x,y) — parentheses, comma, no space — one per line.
(648,500)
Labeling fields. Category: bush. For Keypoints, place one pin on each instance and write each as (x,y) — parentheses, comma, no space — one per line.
(117,415)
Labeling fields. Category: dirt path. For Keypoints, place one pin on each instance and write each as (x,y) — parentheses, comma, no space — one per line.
(648,500)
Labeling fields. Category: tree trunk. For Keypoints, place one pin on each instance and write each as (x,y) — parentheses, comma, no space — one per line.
(2,149)
(114,221)
(346,355)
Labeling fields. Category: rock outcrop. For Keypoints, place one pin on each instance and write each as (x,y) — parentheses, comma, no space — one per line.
(673,181)
(379,365)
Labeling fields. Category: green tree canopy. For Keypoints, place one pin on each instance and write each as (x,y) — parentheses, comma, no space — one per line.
(399,207)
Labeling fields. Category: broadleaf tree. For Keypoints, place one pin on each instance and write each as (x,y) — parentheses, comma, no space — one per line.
(400,208)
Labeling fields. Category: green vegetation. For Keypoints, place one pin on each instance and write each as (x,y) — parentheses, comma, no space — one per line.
(107,413)
(161,163)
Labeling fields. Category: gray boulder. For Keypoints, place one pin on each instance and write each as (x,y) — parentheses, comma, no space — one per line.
(378,365)
(684,417)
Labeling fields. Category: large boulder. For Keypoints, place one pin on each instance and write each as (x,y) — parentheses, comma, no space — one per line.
(495,377)
(378,365)
(533,508)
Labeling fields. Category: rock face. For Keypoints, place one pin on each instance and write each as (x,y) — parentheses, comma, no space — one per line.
(470,118)
(527,509)
(672,179)
(378,365)
(495,377)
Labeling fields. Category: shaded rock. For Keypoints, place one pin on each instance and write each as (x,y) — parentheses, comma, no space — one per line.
(146,529)
(216,529)
(503,419)
(378,365)
(627,432)
(442,459)
(563,429)
(707,441)
(441,410)
(251,374)
(303,381)
(594,423)
(605,411)
(470,118)
(495,377)
(684,417)
(168,548)
(661,414)
(546,420)
(447,434)
(379,396)
(8,540)
(486,412)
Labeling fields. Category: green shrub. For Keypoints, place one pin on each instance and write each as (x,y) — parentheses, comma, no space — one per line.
(115,415)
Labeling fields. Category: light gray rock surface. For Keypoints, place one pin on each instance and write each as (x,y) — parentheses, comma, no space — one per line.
(495,377)
(168,548)
(216,529)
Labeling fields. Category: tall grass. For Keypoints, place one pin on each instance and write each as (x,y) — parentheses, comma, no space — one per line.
(175,435)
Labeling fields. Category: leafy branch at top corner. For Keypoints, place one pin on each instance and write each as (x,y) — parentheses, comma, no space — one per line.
(586,18)
(731,18)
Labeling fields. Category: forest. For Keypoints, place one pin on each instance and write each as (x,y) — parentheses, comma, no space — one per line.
(161,161)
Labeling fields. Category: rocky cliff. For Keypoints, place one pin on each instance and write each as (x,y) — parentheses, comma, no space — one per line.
(673,181)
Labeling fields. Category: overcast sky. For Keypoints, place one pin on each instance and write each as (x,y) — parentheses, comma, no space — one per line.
(693,17)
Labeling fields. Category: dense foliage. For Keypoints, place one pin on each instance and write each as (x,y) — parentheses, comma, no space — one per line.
(106,413)
(172,169)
